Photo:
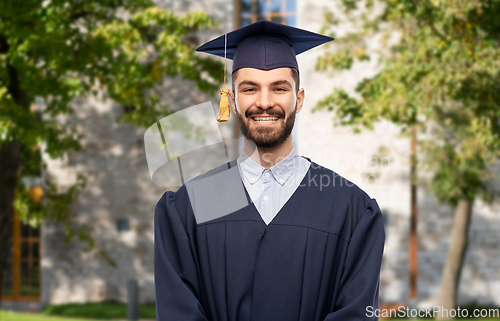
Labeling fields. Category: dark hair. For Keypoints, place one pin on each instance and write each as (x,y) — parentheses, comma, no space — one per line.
(295,76)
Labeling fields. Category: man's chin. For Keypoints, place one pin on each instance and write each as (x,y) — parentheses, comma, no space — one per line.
(266,145)
(264,136)
(266,142)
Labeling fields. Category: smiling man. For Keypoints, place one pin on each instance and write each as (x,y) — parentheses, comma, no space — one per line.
(308,244)
(267,103)
(265,98)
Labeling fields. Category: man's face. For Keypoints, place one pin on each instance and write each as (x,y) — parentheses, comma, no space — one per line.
(266,104)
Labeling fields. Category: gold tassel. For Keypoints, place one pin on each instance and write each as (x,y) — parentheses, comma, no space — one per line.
(224,111)
(224,100)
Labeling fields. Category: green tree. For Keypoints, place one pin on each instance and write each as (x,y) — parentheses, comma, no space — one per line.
(439,73)
(62,49)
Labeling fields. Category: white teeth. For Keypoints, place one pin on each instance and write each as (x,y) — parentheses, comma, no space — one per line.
(265,119)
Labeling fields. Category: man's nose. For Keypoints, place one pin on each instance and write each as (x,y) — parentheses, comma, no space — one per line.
(265,99)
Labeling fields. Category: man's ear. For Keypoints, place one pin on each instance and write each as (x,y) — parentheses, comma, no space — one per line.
(232,101)
(301,95)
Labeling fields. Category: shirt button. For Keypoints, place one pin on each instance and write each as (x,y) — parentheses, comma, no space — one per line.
(267,174)
(281,180)
(265,198)
(252,180)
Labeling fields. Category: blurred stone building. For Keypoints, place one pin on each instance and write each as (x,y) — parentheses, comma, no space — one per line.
(119,199)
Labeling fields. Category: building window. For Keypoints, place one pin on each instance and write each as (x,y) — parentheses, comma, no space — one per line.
(21,276)
(122,225)
(22,273)
(281,11)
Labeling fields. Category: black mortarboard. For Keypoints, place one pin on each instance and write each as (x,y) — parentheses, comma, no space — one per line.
(264,45)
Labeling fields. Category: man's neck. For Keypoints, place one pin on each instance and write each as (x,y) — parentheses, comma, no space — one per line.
(268,157)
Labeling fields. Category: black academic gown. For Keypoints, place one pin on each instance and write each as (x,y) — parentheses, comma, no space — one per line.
(318,259)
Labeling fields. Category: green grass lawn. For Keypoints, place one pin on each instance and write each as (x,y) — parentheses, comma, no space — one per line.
(101,310)
(108,310)
(14,316)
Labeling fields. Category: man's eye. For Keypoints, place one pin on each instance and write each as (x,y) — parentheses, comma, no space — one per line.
(247,89)
(280,89)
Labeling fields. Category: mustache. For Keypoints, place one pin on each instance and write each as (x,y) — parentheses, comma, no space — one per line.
(267,112)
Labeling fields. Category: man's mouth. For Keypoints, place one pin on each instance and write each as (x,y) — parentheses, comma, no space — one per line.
(265,119)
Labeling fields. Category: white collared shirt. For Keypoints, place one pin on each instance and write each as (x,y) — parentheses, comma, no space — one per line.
(271,188)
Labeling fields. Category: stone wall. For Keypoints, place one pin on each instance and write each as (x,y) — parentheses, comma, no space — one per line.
(118,187)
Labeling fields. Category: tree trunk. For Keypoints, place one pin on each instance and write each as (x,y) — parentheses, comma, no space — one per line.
(455,260)
(413,241)
(9,161)
(9,165)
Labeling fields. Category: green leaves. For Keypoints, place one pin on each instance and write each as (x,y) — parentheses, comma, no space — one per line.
(62,50)
(58,50)
(440,70)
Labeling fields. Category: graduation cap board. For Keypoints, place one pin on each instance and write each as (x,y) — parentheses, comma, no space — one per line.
(262,45)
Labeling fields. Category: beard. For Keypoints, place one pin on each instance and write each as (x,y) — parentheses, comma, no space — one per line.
(267,136)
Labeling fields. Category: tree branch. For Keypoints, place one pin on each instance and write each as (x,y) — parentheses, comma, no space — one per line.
(4,45)
(436,32)
(78,15)
(13,84)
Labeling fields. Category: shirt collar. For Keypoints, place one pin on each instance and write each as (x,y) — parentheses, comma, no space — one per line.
(281,171)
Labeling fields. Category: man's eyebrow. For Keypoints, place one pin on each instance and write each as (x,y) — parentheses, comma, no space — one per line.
(248,82)
(281,82)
